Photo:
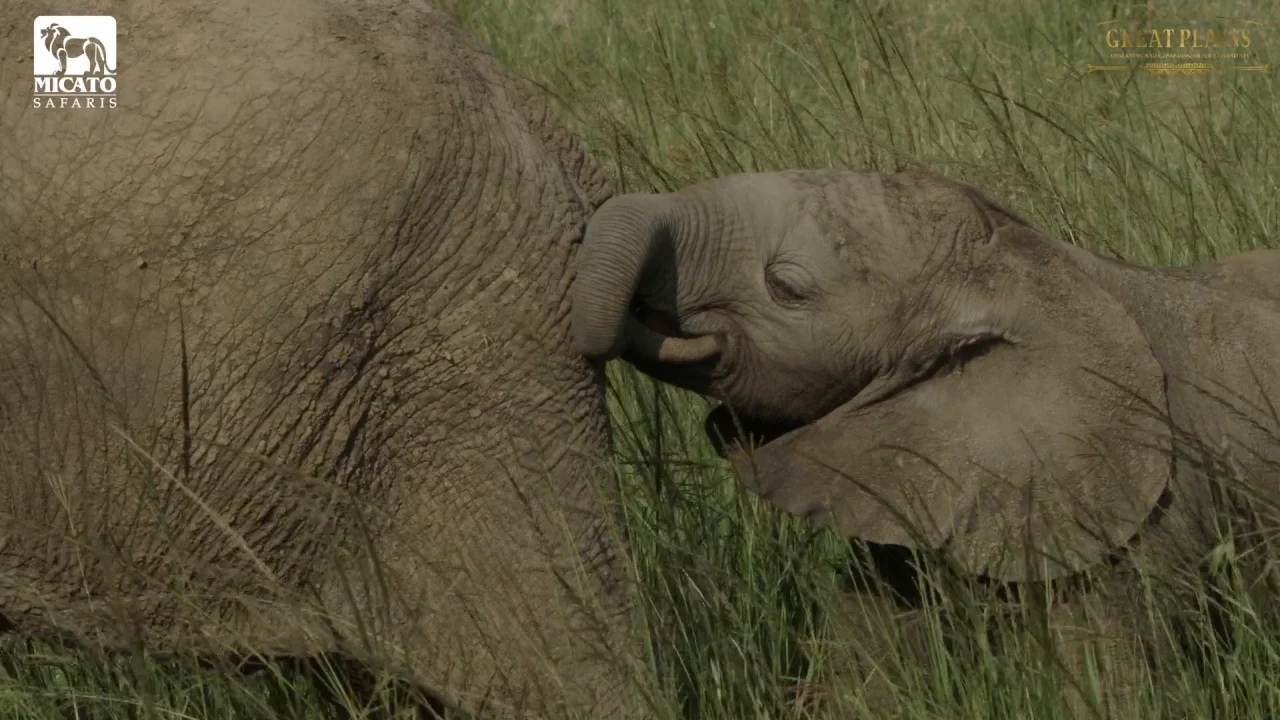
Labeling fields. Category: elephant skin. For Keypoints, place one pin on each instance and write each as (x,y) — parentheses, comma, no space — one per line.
(913,365)
(285,363)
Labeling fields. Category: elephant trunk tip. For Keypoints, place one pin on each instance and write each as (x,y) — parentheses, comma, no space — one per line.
(665,346)
(634,336)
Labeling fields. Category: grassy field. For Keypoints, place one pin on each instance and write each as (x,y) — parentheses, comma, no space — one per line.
(738,601)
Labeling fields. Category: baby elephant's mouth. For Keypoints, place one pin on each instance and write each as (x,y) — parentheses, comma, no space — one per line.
(656,336)
(661,322)
(729,431)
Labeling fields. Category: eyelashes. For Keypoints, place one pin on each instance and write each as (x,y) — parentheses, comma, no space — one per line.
(789,284)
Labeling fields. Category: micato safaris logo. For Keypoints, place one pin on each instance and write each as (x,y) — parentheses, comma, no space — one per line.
(75,61)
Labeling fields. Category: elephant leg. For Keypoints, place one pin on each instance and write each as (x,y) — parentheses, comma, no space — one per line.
(1100,648)
(874,636)
(1095,641)
(508,606)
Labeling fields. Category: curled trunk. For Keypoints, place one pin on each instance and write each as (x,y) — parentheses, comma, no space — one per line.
(622,241)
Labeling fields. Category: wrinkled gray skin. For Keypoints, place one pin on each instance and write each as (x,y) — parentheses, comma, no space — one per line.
(937,373)
(300,300)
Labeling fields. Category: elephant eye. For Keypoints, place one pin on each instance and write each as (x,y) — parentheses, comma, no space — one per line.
(789,284)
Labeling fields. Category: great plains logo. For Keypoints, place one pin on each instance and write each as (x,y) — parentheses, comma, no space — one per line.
(75,61)
(1190,44)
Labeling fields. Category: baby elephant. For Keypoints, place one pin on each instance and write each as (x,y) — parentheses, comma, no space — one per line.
(929,371)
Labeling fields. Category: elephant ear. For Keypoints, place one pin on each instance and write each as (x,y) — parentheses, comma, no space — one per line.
(1035,444)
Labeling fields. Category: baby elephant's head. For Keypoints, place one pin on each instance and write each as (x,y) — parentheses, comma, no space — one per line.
(921,353)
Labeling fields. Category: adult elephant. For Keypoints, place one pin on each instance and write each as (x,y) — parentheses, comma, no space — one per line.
(927,370)
(284,354)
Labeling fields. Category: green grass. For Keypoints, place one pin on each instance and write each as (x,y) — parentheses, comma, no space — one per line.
(740,604)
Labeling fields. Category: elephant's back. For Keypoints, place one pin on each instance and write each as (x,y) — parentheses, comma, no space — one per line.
(222,109)
(275,146)
(1254,274)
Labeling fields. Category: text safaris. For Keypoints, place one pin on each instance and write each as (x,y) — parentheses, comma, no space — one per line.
(72,102)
